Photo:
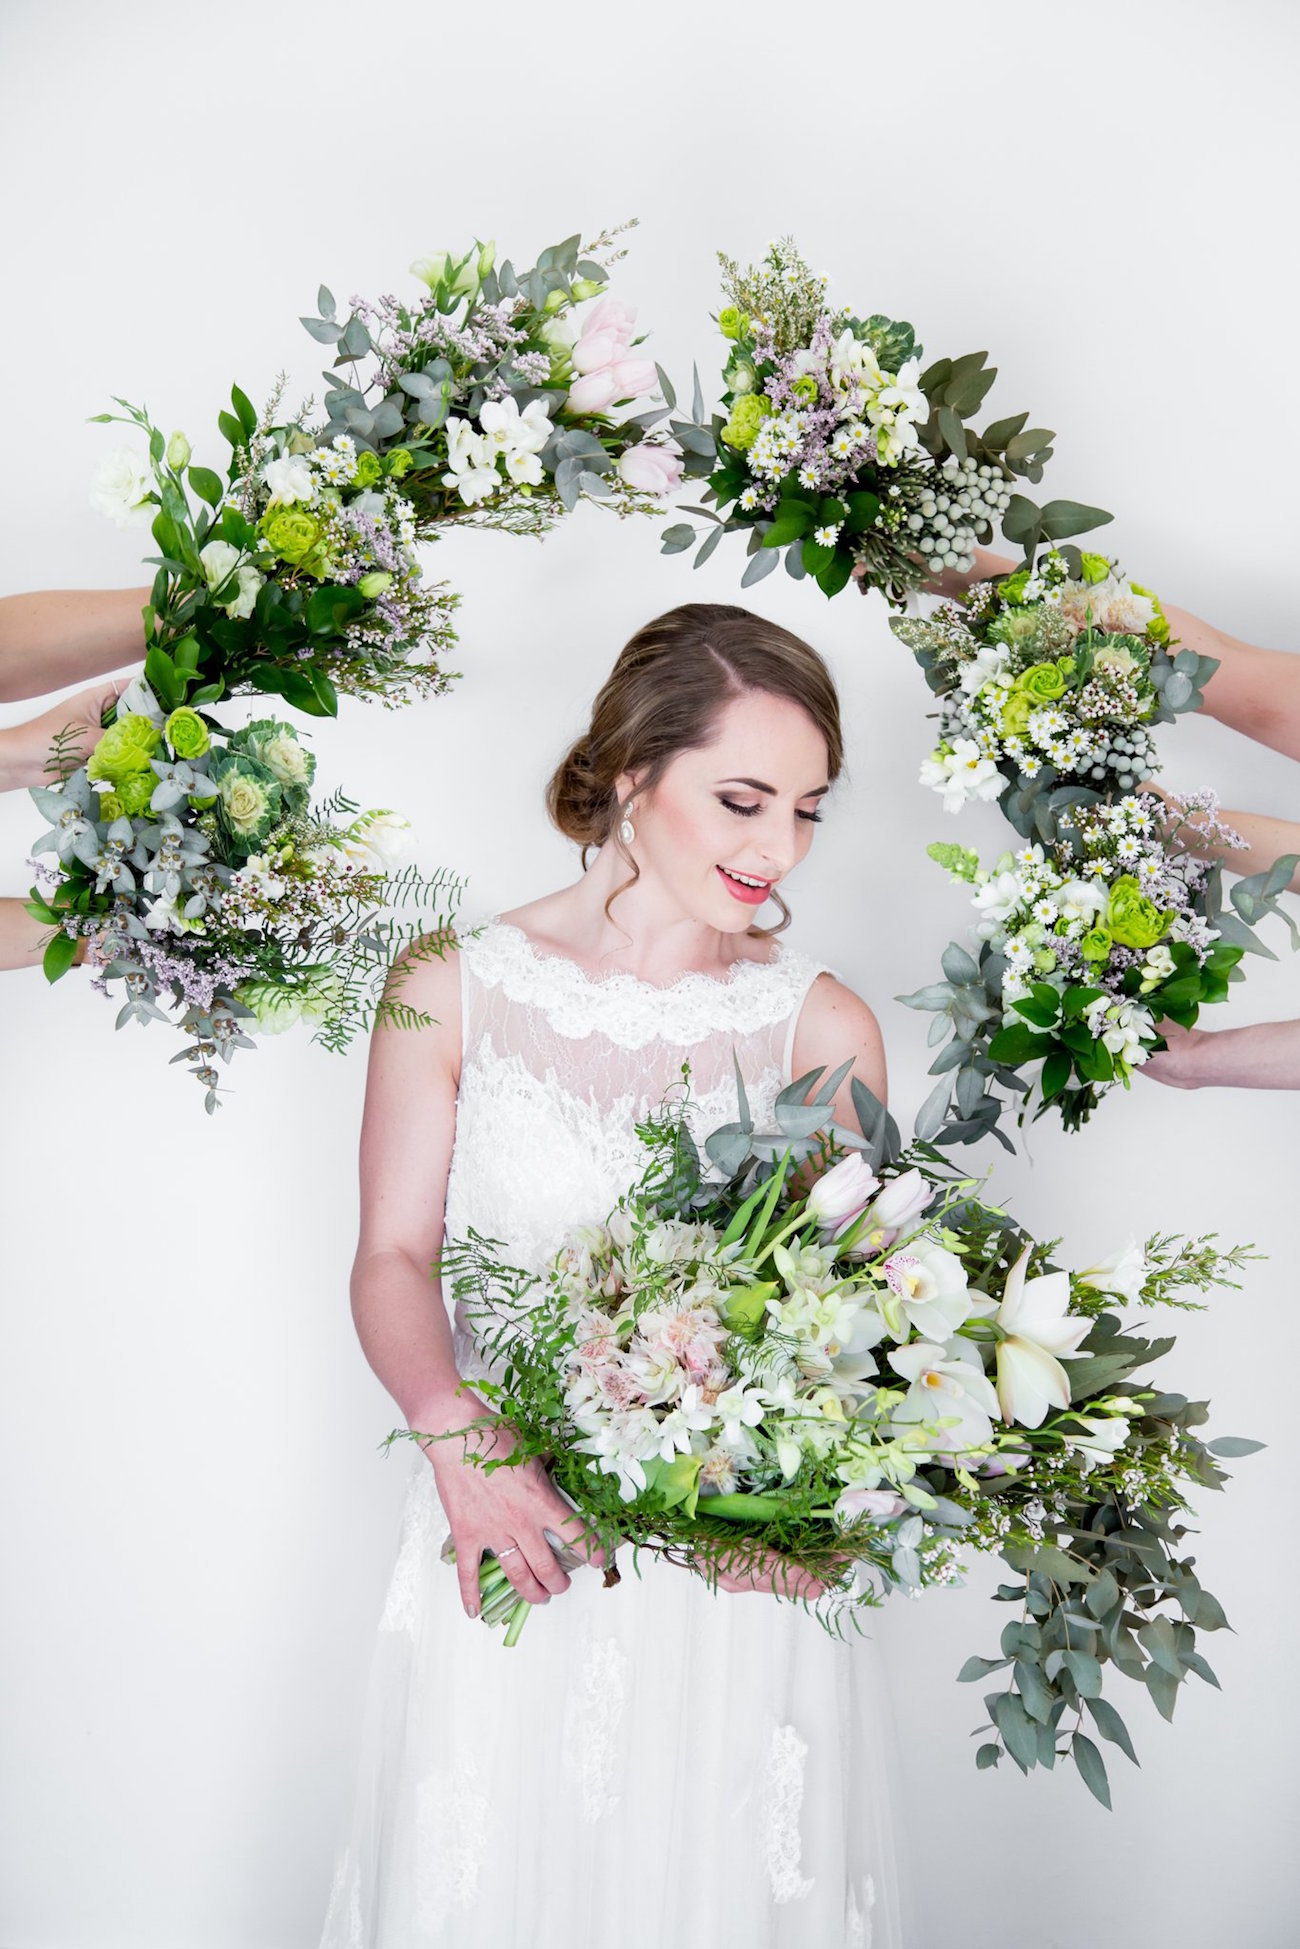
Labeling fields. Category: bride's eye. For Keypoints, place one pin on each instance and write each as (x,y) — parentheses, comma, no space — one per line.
(748,811)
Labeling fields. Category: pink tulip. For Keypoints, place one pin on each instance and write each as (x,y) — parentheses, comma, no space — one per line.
(634,377)
(594,351)
(592,393)
(610,315)
(883,1504)
(653,469)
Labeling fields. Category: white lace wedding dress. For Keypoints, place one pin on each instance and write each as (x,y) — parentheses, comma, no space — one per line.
(653,1766)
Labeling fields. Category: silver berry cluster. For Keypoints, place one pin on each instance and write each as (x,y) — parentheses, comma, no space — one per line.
(963,500)
(1129,756)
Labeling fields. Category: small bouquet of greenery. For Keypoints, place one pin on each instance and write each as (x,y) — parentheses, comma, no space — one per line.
(1085,947)
(830,1348)
(834,446)
(195,869)
(498,398)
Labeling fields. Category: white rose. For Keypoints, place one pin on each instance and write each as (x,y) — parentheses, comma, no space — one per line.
(120,487)
(218,559)
(290,479)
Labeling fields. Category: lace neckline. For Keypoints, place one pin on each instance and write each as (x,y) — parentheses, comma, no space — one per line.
(624,978)
(628,1010)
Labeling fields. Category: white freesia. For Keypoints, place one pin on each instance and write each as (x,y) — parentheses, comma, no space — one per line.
(1125,1028)
(927,1289)
(1123,1273)
(1079,900)
(164,916)
(948,1384)
(471,463)
(290,478)
(1035,1319)
(1096,1438)
(995,901)
(961,774)
(220,559)
(507,430)
(988,665)
(120,487)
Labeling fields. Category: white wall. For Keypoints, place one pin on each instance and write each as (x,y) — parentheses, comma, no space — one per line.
(195,1525)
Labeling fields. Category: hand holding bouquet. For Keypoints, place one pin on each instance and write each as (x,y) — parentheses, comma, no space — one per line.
(830,1349)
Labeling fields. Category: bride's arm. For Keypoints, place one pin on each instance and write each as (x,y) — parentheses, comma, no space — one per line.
(833,1025)
(407,1134)
(54,637)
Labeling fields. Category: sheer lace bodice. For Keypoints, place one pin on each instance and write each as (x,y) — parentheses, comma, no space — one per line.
(558,1065)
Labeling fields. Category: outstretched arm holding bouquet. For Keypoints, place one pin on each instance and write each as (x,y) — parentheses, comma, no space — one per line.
(53,637)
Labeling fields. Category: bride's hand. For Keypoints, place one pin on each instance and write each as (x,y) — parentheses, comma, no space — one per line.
(954,581)
(512,1505)
(772,1574)
(24,748)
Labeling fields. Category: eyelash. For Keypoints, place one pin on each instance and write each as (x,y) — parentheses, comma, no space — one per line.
(748,811)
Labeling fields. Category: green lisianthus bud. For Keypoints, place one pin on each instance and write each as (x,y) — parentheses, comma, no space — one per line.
(583,288)
(740,377)
(400,463)
(186,733)
(1095,567)
(178,452)
(1095,945)
(1044,960)
(374,583)
(487,257)
(369,470)
(554,300)
(125,747)
(432,269)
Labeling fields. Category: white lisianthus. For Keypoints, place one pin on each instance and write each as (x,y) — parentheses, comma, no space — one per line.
(1123,1273)
(138,700)
(220,559)
(1035,1318)
(1097,1438)
(378,841)
(961,774)
(121,488)
(290,479)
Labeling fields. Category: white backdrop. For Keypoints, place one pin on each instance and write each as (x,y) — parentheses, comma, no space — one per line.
(196,1525)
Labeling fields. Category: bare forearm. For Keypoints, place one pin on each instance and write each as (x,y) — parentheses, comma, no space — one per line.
(1254,691)
(54,637)
(405,1334)
(1263,1057)
(22,939)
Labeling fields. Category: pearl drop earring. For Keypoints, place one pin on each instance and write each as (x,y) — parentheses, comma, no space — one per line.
(627,831)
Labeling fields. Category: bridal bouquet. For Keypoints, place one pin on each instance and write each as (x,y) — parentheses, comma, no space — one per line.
(1085,947)
(497,398)
(832,1350)
(196,870)
(835,446)
(1050,681)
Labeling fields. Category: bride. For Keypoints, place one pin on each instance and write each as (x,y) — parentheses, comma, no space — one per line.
(655,1765)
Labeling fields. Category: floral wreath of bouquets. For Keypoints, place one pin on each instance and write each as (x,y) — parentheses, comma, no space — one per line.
(832,1349)
(836,447)
(1084,948)
(497,399)
(1050,681)
(196,870)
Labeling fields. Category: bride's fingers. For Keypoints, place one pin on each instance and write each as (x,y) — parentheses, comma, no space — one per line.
(569,1527)
(543,1561)
(520,1571)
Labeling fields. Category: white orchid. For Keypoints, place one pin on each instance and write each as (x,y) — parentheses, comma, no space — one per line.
(949,1385)
(692,1415)
(1123,1273)
(927,1290)
(1035,1319)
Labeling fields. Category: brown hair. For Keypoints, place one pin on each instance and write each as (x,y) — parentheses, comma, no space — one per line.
(663,696)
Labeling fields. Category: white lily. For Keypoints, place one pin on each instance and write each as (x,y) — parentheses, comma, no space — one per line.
(1038,1327)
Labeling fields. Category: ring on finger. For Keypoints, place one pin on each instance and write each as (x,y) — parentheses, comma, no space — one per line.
(511,1549)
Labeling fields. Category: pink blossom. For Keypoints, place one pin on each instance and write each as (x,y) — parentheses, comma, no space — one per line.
(654,469)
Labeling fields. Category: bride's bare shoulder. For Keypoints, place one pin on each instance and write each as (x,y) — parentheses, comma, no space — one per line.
(834,1024)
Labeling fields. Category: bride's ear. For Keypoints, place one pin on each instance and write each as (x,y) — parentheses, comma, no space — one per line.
(627,785)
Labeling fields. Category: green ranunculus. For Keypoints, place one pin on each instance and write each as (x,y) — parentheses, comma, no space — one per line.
(291,532)
(1017,709)
(1042,683)
(747,416)
(135,792)
(1095,568)
(400,463)
(1095,945)
(1133,919)
(805,388)
(125,747)
(370,469)
(275,1007)
(110,807)
(186,733)
(1044,960)
(732,322)
(1013,588)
